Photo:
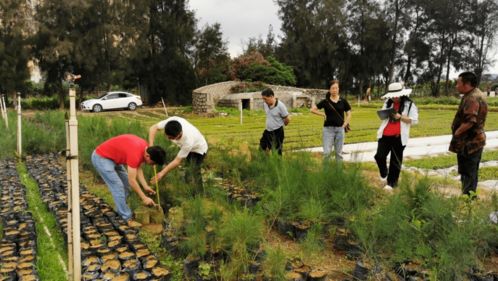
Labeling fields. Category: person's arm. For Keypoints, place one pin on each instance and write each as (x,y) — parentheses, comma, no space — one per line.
(173,164)
(132,180)
(347,119)
(470,112)
(152,134)
(143,182)
(411,117)
(464,127)
(286,120)
(315,111)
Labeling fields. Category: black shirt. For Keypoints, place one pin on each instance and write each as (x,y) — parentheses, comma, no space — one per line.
(333,119)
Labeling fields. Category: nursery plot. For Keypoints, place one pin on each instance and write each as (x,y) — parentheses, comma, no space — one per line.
(109,248)
(18,243)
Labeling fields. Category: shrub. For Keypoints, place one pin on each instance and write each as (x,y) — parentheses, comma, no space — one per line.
(444,236)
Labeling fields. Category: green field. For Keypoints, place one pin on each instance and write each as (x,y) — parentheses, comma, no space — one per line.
(414,223)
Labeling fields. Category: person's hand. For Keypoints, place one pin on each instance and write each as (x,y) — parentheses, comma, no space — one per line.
(149,190)
(397,116)
(344,125)
(155,179)
(148,202)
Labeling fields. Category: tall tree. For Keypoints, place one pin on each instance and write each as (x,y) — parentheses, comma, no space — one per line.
(163,66)
(211,58)
(14,50)
(313,33)
(55,41)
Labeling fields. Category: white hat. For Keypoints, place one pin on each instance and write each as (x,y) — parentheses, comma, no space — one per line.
(396,90)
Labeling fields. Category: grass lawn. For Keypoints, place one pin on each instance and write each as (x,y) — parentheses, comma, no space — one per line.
(305,129)
(447,160)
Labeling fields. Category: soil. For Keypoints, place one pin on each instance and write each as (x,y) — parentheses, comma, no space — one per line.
(335,264)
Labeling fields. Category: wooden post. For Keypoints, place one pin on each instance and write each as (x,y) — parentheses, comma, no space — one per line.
(240,108)
(69,203)
(19,129)
(75,185)
(164,106)
(5,114)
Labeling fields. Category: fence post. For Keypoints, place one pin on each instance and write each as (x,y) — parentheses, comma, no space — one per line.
(69,202)
(6,112)
(19,124)
(75,185)
(240,109)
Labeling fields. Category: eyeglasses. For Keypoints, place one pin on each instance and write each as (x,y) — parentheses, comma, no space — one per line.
(174,138)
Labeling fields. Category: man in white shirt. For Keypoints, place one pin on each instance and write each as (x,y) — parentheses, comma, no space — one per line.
(277,117)
(193,147)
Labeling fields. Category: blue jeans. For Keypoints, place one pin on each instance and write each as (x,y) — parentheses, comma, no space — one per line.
(333,136)
(116,178)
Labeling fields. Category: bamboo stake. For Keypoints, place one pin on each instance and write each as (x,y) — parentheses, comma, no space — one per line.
(19,126)
(75,185)
(157,188)
(164,106)
(4,111)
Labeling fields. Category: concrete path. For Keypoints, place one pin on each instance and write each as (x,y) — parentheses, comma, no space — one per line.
(416,148)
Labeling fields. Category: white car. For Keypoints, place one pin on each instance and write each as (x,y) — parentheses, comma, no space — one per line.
(112,100)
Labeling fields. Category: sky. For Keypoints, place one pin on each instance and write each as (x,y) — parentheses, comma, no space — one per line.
(244,19)
(239,19)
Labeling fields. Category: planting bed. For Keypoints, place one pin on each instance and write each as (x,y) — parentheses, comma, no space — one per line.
(110,250)
(18,243)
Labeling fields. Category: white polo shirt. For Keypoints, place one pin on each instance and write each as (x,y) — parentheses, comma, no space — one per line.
(191,141)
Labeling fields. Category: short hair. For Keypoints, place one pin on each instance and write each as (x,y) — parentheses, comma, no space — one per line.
(468,78)
(157,154)
(267,92)
(173,128)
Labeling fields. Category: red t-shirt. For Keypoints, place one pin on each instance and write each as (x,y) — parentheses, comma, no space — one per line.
(124,149)
(393,128)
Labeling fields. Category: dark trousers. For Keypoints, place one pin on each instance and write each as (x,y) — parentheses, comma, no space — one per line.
(468,168)
(272,140)
(193,175)
(390,145)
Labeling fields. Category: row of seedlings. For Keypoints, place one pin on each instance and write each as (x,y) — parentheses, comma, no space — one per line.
(18,243)
(110,249)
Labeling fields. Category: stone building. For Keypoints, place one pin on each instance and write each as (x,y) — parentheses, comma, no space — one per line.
(206,98)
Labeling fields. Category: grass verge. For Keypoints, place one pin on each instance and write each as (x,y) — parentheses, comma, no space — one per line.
(50,246)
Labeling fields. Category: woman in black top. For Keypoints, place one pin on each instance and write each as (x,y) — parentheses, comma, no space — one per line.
(337,113)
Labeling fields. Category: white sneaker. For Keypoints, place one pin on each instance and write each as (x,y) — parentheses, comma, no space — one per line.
(382,178)
(388,187)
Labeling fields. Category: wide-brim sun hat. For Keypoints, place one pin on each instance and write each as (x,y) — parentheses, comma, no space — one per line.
(396,90)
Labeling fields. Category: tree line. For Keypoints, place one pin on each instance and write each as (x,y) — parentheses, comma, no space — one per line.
(157,47)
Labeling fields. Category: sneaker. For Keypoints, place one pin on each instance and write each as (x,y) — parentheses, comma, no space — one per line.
(134,224)
(388,187)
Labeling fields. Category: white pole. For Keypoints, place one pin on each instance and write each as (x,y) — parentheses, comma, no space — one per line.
(19,129)
(69,203)
(75,185)
(240,108)
(164,106)
(4,111)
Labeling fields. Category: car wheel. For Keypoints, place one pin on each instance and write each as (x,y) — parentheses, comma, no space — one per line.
(132,106)
(97,108)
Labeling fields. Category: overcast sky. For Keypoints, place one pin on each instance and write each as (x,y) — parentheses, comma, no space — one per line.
(243,19)
(239,19)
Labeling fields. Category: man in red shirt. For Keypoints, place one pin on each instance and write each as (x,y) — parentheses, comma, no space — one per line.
(109,159)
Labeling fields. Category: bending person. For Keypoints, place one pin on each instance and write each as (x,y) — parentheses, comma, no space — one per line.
(394,132)
(109,159)
(193,148)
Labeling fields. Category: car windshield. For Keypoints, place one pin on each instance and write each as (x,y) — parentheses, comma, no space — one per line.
(103,95)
